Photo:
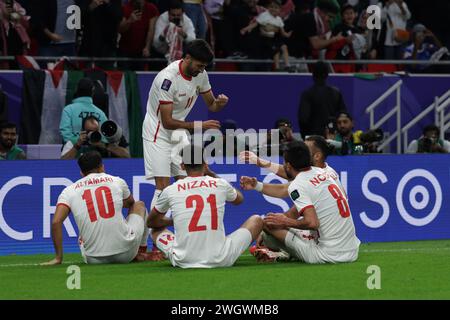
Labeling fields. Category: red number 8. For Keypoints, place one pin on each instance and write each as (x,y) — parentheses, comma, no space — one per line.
(342,204)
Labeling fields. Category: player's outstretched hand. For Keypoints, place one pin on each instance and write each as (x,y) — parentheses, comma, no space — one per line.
(276,221)
(210,124)
(248,157)
(248,183)
(221,100)
(53,262)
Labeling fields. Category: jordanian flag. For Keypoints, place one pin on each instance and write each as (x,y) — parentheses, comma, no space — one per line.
(46,93)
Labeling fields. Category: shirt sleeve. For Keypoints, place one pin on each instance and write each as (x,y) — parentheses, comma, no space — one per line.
(162,204)
(125,189)
(64,199)
(165,88)
(299,195)
(206,86)
(230,191)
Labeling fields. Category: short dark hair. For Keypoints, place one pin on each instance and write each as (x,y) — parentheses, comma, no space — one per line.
(193,157)
(346,7)
(175,4)
(321,144)
(282,121)
(431,127)
(345,114)
(90,161)
(320,71)
(7,125)
(200,50)
(297,155)
(327,6)
(85,88)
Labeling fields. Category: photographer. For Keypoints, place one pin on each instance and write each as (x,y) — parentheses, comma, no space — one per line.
(91,139)
(173,29)
(429,142)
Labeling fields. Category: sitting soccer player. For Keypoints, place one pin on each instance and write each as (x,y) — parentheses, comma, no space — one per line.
(96,202)
(198,207)
(322,205)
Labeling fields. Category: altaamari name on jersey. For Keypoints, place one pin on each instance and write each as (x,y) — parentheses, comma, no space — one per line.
(323,177)
(93,181)
(197,184)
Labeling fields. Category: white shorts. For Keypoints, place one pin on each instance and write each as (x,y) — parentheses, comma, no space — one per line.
(308,250)
(162,159)
(235,244)
(136,223)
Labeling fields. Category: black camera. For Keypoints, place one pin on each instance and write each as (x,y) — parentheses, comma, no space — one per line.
(111,131)
(372,136)
(93,137)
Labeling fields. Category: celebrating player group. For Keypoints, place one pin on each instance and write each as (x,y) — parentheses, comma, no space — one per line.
(317,229)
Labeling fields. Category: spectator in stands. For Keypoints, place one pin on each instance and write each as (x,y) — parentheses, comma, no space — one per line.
(137,30)
(14,39)
(49,23)
(320,104)
(194,10)
(348,29)
(345,141)
(8,148)
(221,26)
(374,38)
(173,30)
(90,139)
(311,29)
(272,32)
(424,45)
(73,115)
(101,20)
(429,142)
(397,15)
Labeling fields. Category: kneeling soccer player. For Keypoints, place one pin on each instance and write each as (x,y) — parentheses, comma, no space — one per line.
(96,202)
(321,205)
(198,206)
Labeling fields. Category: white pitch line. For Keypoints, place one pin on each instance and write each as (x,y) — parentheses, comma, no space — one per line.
(33,264)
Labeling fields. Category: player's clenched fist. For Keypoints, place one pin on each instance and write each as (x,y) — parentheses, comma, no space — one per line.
(221,100)
(248,157)
(210,124)
(248,183)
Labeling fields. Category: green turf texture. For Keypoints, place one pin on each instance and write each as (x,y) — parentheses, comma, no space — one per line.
(409,270)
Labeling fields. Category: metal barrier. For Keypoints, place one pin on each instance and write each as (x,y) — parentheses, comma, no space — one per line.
(395,111)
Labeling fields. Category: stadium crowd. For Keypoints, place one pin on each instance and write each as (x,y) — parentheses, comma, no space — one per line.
(282,30)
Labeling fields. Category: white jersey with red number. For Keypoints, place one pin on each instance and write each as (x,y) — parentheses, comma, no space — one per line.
(171,86)
(315,188)
(96,202)
(198,207)
(333,174)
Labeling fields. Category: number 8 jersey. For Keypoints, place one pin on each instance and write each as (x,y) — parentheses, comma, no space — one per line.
(314,187)
(96,202)
(198,207)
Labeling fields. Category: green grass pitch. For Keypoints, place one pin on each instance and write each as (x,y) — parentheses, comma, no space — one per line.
(409,270)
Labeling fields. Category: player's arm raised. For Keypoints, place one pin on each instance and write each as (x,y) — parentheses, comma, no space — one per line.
(170,123)
(252,158)
(272,190)
(215,104)
(62,211)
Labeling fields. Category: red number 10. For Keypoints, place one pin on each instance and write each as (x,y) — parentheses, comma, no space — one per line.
(105,212)
(200,204)
(342,204)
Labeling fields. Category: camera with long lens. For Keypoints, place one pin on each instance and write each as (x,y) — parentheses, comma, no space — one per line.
(93,137)
(425,145)
(111,131)
(371,139)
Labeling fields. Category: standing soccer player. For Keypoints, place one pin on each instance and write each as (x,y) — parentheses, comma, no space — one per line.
(96,202)
(198,207)
(321,204)
(172,96)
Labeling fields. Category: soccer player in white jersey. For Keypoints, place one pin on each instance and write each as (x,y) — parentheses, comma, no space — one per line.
(322,205)
(198,207)
(96,202)
(172,96)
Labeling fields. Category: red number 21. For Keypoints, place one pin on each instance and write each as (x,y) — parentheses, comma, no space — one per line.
(200,204)
(101,193)
(342,204)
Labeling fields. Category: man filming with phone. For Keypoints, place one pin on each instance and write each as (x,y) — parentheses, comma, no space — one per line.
(173,30)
